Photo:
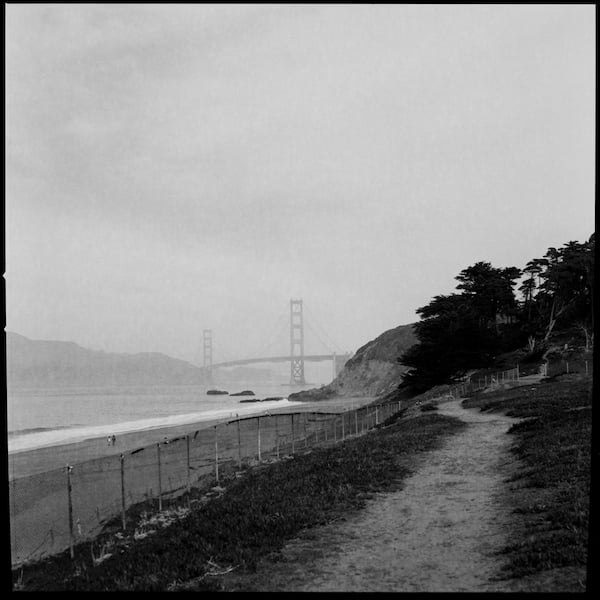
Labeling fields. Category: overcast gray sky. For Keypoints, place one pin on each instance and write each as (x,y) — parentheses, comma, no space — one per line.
(171,168)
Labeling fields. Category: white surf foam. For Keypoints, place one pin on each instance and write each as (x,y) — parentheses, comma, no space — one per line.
(56,437)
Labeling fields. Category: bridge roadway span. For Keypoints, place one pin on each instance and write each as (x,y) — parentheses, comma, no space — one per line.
(306,357)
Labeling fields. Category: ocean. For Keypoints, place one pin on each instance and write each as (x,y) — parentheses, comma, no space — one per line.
(38,418)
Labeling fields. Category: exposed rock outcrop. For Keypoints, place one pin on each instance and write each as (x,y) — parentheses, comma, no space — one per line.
(373,371)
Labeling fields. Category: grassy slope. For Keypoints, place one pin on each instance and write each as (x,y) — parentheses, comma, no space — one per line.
(256,516)
(552,489)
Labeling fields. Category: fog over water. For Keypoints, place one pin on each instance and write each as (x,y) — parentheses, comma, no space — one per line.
(175,168)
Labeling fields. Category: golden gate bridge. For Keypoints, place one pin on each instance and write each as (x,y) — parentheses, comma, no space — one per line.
(296,357)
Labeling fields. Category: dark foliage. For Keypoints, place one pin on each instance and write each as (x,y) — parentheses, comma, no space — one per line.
(469,329)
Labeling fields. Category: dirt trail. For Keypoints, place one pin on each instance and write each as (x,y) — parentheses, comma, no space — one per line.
(437,534)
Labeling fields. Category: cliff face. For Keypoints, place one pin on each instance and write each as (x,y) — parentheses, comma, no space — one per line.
(374,369)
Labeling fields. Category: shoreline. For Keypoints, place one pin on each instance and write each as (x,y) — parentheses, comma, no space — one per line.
(33,461)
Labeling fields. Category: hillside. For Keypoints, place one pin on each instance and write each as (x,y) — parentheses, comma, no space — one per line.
(56,363)
(37,363)
(374,369)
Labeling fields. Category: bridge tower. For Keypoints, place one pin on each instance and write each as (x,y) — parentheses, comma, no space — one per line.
(296,343)
(208,356)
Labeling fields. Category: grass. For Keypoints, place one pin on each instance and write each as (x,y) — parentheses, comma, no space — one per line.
(551,491)
(256,515)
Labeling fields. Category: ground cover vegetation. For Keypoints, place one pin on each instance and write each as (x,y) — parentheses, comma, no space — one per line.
(550,492)
(254,517)
(486,318)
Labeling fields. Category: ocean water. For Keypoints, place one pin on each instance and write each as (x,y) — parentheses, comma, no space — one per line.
(45,417)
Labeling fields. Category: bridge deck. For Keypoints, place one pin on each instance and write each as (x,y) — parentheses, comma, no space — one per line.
(275,359)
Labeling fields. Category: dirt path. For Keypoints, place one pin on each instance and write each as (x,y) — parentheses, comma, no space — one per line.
(437,534)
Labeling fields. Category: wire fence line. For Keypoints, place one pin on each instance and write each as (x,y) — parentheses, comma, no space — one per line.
(494,379)
(53,511)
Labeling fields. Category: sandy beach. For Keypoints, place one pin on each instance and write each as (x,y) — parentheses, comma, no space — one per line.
(40,460)
(38,478)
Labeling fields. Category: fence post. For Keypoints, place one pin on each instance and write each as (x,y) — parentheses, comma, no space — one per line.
(188,466)
(292,433)
(239,443)
(258,435)
(70,507)
(586,367)
(335,429)
(123,490)
(356,421)
(567,367)
(159,479)
(343,432)
(216,455)
(517,371)
(376,416)
(277,434)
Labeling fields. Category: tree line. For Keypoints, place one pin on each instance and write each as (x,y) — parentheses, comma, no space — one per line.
(489,315)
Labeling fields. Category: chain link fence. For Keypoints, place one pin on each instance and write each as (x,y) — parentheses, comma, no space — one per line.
(55,510)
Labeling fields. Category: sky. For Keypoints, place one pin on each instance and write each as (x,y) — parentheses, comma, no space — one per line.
(172,168)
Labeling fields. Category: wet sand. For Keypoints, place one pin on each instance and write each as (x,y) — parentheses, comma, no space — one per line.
(438,533)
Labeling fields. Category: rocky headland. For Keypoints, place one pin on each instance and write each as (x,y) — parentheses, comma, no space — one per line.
(374,369)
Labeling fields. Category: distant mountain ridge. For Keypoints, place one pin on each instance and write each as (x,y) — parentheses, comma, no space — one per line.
(33,363)
(372,371)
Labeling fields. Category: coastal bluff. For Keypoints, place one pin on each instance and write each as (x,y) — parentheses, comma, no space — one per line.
(372,371)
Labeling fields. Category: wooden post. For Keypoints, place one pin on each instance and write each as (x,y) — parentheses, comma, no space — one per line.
(159,479)
(586,367)
(567,367)
(293,449)
(356,421)
(517,371)
(277,434)
(258,435)
(343,432)
(376,415)
(70,508)
(123,490)
(188,466)
(216,455)
(335,429)
(239,444)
